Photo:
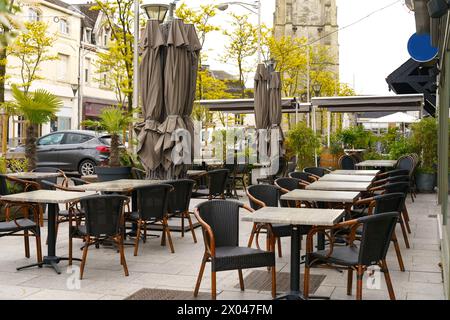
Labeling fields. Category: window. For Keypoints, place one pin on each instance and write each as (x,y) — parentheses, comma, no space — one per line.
(105,80)
(63,65)
(63,26)
(88,36)
(33,15)
(51,139)
(75,138)
(87,70)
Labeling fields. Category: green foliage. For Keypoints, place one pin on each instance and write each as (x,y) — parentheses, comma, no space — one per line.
(399,147)
(9,24)
(37,107)
(3,165)
(424,143)
(356,138)
(335,145)
(112,120)
(302,141)
(373,155)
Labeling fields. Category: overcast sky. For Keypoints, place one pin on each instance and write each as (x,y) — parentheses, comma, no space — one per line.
(369,50)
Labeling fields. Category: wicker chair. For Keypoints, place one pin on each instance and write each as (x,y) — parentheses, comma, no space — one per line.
(217,180)
(317,171)
(347,162)
(305,177)
(220,225)
(282,165)
(376,235)
(286,185)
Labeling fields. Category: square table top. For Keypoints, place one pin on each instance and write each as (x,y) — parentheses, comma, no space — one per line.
(356,172)
(33,175)
(122,185)
(339,186)
(344,177)
(195,172)
(377,163)
(321,195)
(296,216)
(47,196)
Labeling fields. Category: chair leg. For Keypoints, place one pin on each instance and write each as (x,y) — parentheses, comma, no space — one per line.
(398,252)
(274,282)
(41,216)
(241,280)
(349,281)
(70,246)
(26,239)
(280,253)
(169,237)
(213,286)
(182,225)
(138,236)
(359,282)
(191,226)
(200,275)
(83,259)
(306,282)
(387,277)
(123,262)
(38,247)
(252,236)
(404,232)
(406,219)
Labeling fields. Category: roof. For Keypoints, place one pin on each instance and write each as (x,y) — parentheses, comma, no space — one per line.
(247,106)
(222,75)
(90,15)
(398,117)
(401,102)
(62,4)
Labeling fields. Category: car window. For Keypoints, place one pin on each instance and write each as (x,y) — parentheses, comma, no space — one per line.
(51,139)
(106,140)
(76,138)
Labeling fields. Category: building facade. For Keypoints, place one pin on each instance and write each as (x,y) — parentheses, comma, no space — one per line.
(315,20)
(72,75)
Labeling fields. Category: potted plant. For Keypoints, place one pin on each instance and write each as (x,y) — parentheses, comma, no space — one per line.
(329,157)
(114,121)
(37,108)
(303,142)
(424,143)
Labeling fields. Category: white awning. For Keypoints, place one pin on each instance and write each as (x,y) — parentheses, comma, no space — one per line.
(398,117)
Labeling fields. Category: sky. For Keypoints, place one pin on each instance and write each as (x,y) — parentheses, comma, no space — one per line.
(369,50)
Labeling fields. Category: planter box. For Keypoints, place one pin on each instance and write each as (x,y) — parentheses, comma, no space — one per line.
(112,173)
(425,182)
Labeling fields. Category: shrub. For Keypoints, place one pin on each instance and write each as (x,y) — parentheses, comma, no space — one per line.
(303,142)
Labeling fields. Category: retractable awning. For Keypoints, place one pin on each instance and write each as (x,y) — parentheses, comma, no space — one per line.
(246,106)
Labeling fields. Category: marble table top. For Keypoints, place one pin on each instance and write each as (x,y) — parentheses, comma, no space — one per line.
(339,186)
(195,172)
(357,172)
(296,216)
(344,177)
(47,196)
(122,185)
(321,195)
(33,175)
(377,163)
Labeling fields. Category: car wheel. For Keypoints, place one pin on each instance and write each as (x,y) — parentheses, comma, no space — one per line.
(86,167)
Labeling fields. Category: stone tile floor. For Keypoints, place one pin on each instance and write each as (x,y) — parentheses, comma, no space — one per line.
(156,267)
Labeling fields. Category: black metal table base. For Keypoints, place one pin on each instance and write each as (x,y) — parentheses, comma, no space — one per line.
(48,261)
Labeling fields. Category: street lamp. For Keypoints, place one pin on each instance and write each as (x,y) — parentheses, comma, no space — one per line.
(156,11)
(317,87)
(249,6)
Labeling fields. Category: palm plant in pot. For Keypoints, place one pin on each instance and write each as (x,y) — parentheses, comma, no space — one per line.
(303,142)
(37,108)
(424,143)
(114,121)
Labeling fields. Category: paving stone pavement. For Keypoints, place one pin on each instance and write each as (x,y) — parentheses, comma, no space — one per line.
(156,267)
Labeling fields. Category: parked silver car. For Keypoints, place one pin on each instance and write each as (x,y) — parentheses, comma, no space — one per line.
(71,150)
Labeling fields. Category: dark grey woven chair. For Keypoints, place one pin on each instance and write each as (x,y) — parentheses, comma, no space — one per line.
(104,219)
(152,207)
(408,162)
(286,185)
(217,180)
(78,181)
(390,202)
(305,177)
(376,235)
(282,165)
(179,200)
(53,179)
(347,162)
(220,225)
(317,171)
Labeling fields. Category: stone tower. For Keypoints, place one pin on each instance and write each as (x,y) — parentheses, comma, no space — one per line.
(312,19)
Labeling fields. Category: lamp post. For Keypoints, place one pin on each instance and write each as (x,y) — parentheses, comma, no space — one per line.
(250,7)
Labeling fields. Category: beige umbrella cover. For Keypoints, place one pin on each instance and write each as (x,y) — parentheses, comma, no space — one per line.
(176,89)
(262,120)
(150,70)
(275,113)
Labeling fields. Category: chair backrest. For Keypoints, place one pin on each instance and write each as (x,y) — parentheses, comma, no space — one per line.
(397,172)
(266,193)
(241,168)
(318,171)
(406,163)
(103,214)
(395,187)
(180,197)
(291,166)
(50,179)
(376,237)
(390,202)
(3,186)
(222,216)
(78,182)
(287,183)
(231,167)
(282,167)
(217,181)
(152,201)
(347,162)
(138,174)
(398,179)
(303,176)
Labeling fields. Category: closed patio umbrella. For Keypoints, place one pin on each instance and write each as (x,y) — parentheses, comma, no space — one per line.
(151,88)
(176,91)
(275,114)
(262,120)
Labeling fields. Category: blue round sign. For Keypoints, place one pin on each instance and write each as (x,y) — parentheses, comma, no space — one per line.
(420,48)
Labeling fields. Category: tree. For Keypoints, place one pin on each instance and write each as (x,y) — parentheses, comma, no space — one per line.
(36,107)
(242,45)
(32,48)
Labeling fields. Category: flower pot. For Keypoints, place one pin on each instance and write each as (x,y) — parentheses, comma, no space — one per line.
(425,182)
(112,173)
(328,160)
